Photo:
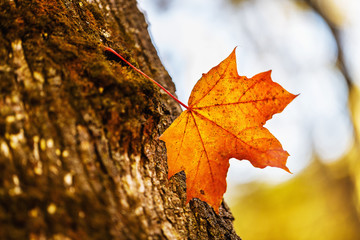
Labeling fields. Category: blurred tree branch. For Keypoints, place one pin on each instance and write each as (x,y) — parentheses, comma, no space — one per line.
(341,64)
(336,32)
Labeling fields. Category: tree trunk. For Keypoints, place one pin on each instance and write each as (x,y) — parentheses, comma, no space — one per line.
(79,151)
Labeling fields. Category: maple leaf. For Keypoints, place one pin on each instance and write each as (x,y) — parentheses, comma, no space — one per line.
(224,119)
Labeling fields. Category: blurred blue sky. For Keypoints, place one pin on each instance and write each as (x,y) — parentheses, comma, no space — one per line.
(192,36)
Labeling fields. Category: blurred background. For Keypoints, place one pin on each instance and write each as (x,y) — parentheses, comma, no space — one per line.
(313,48)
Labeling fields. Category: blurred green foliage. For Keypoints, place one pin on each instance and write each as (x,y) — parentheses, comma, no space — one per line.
(320,203)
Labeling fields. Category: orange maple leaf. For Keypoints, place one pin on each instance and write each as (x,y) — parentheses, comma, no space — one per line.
(224,120)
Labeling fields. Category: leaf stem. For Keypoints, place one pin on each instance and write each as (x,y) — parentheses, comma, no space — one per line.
(143,74)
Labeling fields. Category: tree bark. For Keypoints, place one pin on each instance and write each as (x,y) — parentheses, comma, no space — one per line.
(79,151)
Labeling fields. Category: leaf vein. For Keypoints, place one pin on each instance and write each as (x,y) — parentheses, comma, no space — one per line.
(241,102)
(203,144)
(250,87)
(228,131)
(220,78)
(182,139)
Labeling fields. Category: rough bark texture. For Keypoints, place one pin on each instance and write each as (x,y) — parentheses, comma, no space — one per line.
(79,151)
